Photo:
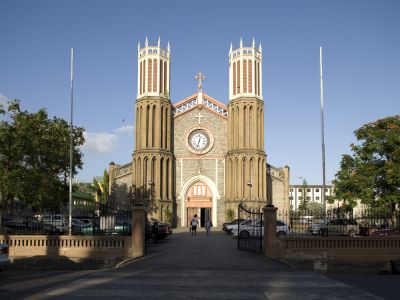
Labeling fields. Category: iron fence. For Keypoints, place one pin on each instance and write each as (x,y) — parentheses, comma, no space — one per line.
(96,220)
(369,222)
(250,233)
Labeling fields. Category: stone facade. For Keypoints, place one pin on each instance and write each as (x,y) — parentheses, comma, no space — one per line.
(199,156)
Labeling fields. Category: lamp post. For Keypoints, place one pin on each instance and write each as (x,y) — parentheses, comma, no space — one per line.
(250,184)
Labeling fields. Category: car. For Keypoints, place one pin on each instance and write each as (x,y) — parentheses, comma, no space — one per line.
(32,226)
(234,225)
(234,222)
(256,228)
(4,259)
(342,226)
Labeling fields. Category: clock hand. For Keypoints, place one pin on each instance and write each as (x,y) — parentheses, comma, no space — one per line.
(198,142)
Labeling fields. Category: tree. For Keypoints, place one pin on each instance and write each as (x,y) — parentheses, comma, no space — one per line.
(34,157)
(304,198)
(372,173)
(101,188)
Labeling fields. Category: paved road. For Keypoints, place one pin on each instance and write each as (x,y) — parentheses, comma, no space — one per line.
(185,267)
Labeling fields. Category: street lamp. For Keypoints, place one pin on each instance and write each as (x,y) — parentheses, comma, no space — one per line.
(250,184)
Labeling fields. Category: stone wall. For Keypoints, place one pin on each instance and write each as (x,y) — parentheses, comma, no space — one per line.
(210,164)
(278,187)
(120,185)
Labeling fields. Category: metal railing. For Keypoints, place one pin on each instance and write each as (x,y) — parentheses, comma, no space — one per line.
(250,232)
(96,220)
(370,222)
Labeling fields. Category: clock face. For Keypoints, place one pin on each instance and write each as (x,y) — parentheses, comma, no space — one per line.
(199,140)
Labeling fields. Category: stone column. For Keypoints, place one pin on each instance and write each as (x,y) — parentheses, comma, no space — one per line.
(270,245)
(138,232)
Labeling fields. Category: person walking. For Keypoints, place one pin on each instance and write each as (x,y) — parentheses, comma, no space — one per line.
(194,223)
(208,226)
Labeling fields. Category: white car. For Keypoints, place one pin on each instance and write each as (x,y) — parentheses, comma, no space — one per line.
(4,260)
(256,228)
(231,227)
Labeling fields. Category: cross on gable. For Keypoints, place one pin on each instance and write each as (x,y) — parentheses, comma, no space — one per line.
(199,77)
(199,116)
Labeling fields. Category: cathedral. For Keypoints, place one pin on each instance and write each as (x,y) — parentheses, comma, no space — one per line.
(199,155)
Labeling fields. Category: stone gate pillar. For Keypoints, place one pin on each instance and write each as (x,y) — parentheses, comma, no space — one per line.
(138,232)
(270,246)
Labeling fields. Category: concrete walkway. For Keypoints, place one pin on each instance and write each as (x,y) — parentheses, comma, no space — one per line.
(203,267)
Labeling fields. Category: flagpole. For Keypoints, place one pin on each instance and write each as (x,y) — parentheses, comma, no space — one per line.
(71,174)
(322,131)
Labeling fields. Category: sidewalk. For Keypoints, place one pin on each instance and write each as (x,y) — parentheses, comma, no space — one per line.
(204,267)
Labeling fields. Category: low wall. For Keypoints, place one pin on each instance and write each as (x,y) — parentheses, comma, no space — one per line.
(344,254)
(68,246)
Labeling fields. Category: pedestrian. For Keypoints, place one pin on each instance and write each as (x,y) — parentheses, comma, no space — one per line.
(194,223)
(208,226)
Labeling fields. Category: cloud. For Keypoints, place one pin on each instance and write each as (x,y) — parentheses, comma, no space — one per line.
(99,142)
(126,129)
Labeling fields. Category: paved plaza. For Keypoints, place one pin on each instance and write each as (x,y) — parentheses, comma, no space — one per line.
(186,267)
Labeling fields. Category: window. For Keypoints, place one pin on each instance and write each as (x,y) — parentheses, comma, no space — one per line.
(317,198)
(308,190)
(317,190)
(326,190)
(290,198)
(291,190)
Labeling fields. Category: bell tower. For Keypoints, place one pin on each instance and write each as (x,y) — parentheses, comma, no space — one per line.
(246,160)
(152,163)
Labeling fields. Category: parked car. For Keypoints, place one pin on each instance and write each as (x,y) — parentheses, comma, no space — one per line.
(79,227)
(256,228)
(4,259)
(57,221)
(234,222)
(157,230)
(30,227)
(348,227)
(234,225)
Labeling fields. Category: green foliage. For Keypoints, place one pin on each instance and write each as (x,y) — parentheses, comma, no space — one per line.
(372,173)
(168,215)
(230,214)
(304,198)
(34,157)
(101,188)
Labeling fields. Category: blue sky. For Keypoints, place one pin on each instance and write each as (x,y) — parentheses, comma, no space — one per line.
(360,38)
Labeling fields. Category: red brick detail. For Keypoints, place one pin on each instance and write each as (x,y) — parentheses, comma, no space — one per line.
(155,75)
(149,75)
(244,76)
(234,79)
(250,75)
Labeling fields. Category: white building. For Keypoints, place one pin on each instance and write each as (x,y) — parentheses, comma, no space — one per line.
(314,192)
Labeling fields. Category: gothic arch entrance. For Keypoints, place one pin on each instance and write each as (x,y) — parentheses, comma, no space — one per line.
(198,201)
(199,196)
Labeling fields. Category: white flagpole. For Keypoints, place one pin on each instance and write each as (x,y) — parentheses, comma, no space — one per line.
(322,131)
(71,174)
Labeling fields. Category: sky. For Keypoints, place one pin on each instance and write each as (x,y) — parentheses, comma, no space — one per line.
(361,47)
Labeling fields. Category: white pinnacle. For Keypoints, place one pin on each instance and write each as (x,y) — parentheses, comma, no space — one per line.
(138,46)
(168,47)
(254,43)
(146,42)
(260,48)
(159,41)
(241,43)
(230,49)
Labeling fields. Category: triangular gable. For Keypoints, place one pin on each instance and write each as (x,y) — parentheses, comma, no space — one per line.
(208,102)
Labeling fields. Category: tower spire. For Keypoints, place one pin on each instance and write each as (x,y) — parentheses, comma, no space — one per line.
(159,41)
(230,49)
(254,43)
(146,42)
(241,43)
(168,47)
